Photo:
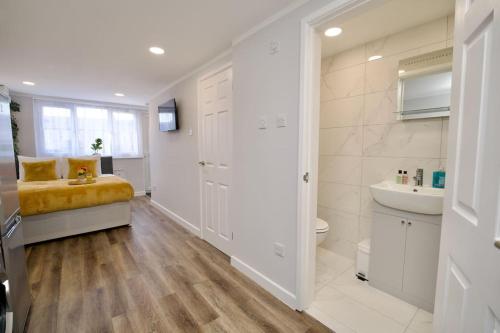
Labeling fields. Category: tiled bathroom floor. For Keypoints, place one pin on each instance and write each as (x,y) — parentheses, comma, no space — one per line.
(348,305)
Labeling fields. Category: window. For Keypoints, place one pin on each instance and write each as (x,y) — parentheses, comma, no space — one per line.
(70,128)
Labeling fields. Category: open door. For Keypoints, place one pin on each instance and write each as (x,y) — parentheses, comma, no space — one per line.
(468,288)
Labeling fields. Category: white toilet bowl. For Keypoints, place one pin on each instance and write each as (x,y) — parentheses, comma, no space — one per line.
(322,229)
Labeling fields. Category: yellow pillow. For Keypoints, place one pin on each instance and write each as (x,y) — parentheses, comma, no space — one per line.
(39,171)
(75,164)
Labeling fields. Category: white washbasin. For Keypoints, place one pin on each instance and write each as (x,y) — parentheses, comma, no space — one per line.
(415,199)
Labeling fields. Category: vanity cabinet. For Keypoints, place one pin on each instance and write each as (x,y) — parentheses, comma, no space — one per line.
(404,256)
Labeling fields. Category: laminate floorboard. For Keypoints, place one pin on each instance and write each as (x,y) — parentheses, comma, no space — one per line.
(152,277)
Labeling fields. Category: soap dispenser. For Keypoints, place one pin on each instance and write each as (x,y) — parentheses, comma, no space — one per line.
(438,178)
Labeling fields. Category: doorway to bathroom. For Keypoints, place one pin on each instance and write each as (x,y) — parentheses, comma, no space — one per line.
(360,138)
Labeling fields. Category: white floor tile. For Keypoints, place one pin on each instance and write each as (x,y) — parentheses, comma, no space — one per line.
(373,298)
(328,321)
(329,266)
(348,305)
(352,314)
(421,323)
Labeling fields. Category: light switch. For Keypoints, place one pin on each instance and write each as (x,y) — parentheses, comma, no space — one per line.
(281,120)
(279,250)
(262,122)
(274,47)
(190,132)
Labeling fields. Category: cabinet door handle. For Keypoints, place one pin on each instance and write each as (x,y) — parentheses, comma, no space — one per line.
(403,222)
(497,244)
(409,224)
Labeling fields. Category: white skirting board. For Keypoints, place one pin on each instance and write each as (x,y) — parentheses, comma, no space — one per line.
(275,289)
(139,193)
(38,228)
(272,287)
(179,220)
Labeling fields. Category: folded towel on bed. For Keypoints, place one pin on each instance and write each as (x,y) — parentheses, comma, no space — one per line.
(40,197)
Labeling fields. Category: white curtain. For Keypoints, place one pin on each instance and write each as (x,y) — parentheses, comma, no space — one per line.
(58,134)
(64,129)
(92,123)
(126,132)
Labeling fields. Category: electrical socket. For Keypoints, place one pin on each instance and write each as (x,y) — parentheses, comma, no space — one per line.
(274,47)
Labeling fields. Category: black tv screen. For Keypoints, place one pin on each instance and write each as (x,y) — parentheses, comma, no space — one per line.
(168,116)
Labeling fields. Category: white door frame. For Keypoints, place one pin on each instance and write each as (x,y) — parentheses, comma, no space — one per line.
(200,138)
(309,141)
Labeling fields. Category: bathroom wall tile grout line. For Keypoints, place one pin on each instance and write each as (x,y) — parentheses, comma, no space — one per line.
(388,55)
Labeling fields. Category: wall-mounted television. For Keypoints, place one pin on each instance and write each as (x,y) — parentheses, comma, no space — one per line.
(168,119)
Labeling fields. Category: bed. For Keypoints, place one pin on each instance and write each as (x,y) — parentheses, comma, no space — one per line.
(54,209)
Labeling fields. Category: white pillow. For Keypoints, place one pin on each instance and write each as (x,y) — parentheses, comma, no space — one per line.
(65,164)
(38,159)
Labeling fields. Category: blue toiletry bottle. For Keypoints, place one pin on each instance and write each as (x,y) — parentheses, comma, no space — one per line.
(438,178)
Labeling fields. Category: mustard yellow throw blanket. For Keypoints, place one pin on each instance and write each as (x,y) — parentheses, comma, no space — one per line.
(40,197)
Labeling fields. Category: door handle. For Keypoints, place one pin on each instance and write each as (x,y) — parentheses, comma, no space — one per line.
(305,178)
(202,163)
(497,243)
(14,227)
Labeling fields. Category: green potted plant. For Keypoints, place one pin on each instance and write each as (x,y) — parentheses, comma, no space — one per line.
(96,146)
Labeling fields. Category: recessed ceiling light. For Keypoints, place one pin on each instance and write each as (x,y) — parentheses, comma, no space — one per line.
(156,50)
(375,57)
(332,32)
(119,94)
(28,83)
(401,71)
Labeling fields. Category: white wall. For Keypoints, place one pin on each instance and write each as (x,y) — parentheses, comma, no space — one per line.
(175,184)
(361,142)
(264,209)
(133,169)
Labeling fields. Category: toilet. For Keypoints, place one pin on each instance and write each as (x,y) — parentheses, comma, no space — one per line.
(322,229)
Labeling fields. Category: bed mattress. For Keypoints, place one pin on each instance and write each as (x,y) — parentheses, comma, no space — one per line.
(41,197)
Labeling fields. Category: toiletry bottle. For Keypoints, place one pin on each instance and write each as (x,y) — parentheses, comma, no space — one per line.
(438,178)
(405,177)
(399,177)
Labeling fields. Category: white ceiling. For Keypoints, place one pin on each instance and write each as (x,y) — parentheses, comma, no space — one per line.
(91,49)
(393,16)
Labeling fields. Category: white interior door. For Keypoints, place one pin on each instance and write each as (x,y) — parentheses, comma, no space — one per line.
(468,288)
(216,145)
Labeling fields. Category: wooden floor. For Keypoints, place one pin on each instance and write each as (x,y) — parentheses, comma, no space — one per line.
(151,277)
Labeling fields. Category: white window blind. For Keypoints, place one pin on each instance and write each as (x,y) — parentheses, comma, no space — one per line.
(64,129)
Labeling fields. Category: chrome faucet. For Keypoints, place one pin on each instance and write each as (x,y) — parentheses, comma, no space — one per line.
(419,177)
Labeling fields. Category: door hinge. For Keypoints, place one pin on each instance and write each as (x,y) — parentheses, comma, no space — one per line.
(306,177)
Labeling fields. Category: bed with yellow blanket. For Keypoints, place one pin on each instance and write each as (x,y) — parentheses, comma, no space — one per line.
(53,209)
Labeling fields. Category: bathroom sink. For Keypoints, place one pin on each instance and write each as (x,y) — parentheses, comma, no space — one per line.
(414,199)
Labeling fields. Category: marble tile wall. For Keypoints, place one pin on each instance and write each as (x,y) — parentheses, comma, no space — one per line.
(361,142)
